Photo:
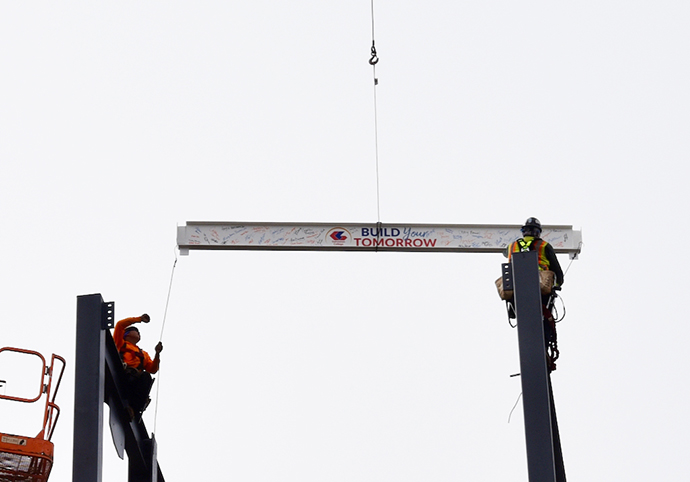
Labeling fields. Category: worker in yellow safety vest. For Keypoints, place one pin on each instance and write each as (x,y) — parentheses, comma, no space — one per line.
(530,241)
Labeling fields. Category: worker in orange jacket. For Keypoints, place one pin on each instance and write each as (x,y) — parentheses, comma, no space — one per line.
(138,364)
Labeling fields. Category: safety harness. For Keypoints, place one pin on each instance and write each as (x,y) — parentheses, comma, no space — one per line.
(552,352)
(138,353)
(534,244)
(522,245)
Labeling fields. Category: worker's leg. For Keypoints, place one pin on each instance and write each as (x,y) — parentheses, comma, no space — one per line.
(138,389)
(550,339)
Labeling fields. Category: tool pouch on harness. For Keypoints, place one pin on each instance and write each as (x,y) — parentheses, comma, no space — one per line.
(546,280)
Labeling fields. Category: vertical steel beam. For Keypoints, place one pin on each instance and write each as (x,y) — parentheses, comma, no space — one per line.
(99,377)
(533,369)
(89,387)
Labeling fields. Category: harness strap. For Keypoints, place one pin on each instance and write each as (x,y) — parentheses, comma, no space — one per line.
(138,353)
(524,245)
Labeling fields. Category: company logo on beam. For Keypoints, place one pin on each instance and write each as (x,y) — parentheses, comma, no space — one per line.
(338,237)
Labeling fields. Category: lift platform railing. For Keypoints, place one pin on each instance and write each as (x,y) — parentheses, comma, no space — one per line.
(30,459)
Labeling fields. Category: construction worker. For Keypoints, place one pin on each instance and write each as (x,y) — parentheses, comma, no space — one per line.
(530,241)
(138,364)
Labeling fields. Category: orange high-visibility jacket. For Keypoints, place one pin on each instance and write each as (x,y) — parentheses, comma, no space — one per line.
(131,354)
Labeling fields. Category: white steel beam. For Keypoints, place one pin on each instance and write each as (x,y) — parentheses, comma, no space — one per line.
(471,238)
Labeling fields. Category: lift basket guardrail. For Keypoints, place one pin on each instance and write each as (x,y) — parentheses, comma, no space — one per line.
(30,459)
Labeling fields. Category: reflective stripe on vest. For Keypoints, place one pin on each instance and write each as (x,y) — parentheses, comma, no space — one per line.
(540,246)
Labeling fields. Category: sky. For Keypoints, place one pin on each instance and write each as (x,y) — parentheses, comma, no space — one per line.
(120,121)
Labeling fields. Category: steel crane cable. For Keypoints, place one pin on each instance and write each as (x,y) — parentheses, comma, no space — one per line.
(165,315)
(373,60)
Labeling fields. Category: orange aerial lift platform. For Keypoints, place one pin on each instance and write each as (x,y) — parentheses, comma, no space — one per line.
(30,459)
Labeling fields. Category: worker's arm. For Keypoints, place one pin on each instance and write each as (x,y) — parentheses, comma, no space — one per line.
(510,249)
(121,326)
(153,365)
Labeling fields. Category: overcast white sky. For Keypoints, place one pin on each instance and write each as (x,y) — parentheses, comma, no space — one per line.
(121,120)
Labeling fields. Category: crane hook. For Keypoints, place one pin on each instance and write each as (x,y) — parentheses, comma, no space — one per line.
(374,58)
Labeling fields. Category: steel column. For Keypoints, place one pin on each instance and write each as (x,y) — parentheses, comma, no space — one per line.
(89,388)
(533,368)
(99,378)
